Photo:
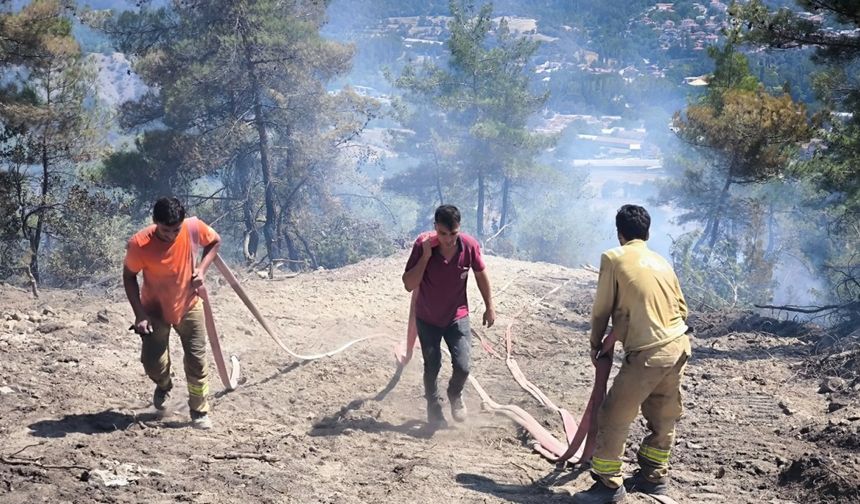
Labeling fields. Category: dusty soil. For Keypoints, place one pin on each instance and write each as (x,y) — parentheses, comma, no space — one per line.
(75,408)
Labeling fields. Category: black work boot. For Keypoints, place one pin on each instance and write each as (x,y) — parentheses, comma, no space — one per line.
(600,494)
(458,408)
(640,483)
(160,396)
(435,416)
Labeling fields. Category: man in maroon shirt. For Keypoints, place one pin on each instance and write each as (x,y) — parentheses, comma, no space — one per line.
(439,268)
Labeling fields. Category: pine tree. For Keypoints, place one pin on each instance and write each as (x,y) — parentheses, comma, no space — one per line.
(241,89)
(485,96)
(835,166)
(48,125)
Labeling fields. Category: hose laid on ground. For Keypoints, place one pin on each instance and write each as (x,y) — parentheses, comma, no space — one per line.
(234,283)
(230,379)
(586,431)
(587,428)
(546,443)
(567,419)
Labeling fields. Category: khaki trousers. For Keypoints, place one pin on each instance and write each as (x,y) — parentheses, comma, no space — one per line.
(155,356)
(650,379)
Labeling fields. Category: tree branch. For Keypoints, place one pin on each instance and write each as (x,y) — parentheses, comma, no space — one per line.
(806,309)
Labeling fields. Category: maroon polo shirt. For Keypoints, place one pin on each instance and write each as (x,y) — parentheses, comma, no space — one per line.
(442,293)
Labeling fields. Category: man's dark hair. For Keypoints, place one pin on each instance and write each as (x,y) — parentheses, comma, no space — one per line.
(633,222)
(168,211)
(448,216)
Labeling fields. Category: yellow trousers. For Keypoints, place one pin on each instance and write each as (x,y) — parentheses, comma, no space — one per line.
(649,379)
(155,356)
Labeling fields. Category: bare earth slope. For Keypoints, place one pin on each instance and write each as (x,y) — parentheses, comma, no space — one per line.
(75,412)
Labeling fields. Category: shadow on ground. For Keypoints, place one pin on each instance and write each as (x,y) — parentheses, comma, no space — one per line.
(94,423)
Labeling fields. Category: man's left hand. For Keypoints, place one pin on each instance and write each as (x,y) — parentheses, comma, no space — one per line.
(489,317)
(595,354)
(197,278)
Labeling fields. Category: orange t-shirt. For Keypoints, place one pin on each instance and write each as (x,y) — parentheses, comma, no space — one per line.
(166,268)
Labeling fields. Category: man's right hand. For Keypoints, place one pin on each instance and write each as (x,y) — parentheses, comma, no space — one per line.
(142,326)
(427,240)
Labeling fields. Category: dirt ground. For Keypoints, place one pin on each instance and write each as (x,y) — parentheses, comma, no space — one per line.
(77,425)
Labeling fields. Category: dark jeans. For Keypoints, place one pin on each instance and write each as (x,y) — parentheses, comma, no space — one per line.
(458,337)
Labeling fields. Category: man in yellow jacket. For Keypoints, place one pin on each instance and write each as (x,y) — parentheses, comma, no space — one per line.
(638,289)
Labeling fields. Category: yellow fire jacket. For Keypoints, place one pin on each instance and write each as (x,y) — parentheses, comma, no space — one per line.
(640,291)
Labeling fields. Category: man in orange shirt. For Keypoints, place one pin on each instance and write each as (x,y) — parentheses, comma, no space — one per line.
(163,252)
